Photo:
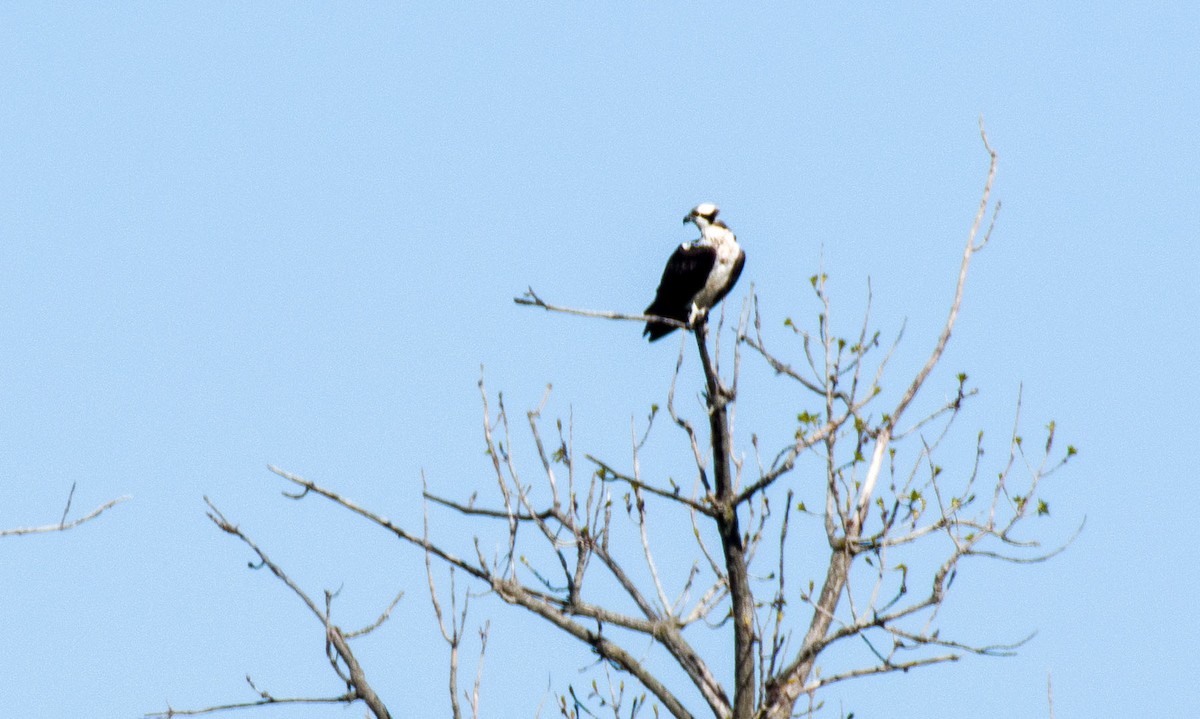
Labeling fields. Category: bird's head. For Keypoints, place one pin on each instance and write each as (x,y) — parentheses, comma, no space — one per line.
(703,214)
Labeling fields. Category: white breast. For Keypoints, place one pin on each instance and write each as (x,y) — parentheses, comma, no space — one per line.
(727,254)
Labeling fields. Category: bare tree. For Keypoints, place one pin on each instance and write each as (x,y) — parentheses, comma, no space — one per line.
(867,468)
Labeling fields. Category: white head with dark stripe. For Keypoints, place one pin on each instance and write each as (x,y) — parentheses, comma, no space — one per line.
(703,215)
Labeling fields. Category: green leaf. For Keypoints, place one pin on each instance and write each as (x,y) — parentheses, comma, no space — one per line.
(1071,451)
(962,377)
(1042,507)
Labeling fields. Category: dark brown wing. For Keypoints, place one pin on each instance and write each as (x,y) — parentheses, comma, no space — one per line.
(684,277)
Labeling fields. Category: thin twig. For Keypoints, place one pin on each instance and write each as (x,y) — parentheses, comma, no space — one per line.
(675,496)
(531,299)
(266,699)
(783,689)
(63,524)
(337,647)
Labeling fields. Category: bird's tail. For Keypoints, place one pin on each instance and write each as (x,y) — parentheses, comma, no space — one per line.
(658,330)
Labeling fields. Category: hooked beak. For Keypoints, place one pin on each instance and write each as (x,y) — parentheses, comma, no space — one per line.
(690,216)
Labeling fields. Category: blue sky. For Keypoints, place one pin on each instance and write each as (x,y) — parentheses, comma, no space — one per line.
(234,235)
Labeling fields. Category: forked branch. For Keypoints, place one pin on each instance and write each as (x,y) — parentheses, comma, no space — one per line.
(342,659)
(783,689)
(63,524)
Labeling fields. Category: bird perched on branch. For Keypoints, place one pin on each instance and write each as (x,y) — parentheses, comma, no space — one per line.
(699,274)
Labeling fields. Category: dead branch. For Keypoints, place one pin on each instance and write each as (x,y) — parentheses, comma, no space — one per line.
(558,610)
(266,698)
(530,299)
(880,669)
(63,525)
(783,689)
(337,646)
(609,474)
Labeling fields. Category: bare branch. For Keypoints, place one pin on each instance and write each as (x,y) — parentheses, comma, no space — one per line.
(610,474)
(969,250)
(266,699)
(531,299)
(553,609)
(387,613)
(63,524)
(603,647)
(483,638)
(453,635)
(880,669)
(1050,693)
(229,528)
(337,647)
(783,689)
(493,513)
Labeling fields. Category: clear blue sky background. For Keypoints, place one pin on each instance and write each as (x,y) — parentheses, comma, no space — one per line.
(240,234)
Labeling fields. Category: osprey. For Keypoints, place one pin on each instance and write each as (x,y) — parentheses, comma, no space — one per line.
(699,274)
